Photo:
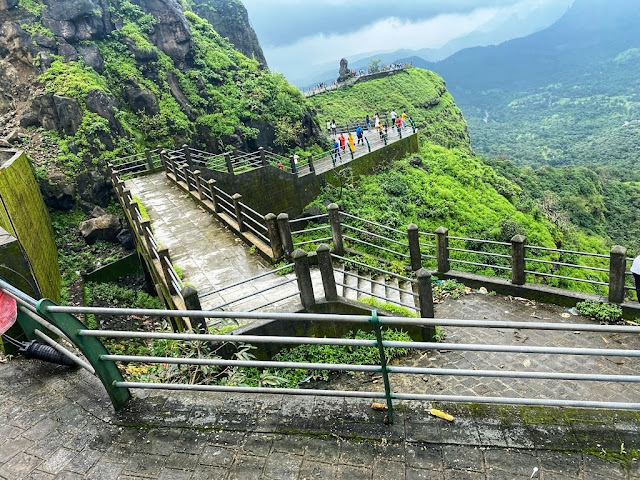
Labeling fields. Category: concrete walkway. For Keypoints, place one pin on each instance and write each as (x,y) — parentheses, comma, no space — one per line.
(209,255)
(58,424)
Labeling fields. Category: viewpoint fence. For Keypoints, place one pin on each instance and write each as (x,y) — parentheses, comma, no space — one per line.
(53,321)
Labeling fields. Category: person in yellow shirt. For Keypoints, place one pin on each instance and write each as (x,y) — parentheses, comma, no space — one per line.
(404,119)
(351,142)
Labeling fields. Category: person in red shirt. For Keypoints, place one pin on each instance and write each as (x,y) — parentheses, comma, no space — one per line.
(342,141)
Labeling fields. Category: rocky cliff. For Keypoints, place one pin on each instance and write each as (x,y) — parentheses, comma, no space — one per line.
(82,80)
(231,20)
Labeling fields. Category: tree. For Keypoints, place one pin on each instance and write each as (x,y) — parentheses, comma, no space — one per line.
(374,66)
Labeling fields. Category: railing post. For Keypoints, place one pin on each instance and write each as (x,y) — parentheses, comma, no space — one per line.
(147,155)
(425,297)
(303,274)
(145,228)
(187,153)
(284,227)
(92,348)
(263,156)
(165,260)
(617,274)
(174,167)
(274,235)
(237,206)
(326,271)
(119,187)
(414,247)
(187,176)
(518,277)
(164,161)
(383,364)
(227,159)
(198,180)
(312,167)
(336,229)
(212,191)
(192,302)
(442,249)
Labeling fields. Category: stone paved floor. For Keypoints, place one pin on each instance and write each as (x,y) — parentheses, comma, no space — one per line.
(479,307)
(58,424)
(210,256)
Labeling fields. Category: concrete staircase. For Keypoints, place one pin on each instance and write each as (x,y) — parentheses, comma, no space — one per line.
(356,284)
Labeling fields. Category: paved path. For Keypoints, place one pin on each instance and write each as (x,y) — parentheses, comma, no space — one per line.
(210,256)
(58,424)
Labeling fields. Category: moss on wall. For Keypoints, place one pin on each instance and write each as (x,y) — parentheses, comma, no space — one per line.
(24,215)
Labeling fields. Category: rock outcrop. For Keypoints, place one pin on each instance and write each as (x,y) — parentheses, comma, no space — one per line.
(231,20)
(106,227)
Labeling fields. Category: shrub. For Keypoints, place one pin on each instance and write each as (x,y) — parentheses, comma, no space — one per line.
(603,312)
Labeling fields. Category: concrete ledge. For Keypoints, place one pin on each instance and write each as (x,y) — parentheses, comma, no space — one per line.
(533,291)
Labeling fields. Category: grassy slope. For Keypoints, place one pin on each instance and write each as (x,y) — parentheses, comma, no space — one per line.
(412,92)
(454,188)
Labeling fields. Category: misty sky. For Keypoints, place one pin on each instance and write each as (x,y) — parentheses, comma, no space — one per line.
(308,34)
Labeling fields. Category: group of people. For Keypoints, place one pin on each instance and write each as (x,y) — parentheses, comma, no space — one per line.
(340,142)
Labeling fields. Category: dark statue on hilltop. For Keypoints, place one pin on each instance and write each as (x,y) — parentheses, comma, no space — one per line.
(345,73)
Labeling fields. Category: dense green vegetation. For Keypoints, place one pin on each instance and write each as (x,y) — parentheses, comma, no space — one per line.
(421,94)
(220,98)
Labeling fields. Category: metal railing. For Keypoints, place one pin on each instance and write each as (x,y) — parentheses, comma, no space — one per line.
(105,364)
(249,285)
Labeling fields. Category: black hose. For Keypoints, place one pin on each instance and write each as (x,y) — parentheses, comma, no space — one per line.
(46,353)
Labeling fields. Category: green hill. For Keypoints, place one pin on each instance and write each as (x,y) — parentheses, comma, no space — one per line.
(420,93)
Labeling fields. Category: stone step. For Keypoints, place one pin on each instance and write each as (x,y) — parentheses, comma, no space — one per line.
(364,284)
(406,296)
(392,294)
(378,290)
(352,282)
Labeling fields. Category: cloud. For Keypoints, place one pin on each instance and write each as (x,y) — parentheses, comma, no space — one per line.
(383,35)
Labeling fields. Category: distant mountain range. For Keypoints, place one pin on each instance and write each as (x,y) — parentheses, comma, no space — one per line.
(591,32)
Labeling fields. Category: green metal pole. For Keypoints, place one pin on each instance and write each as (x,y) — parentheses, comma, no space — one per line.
(383,363)
(92,348)
(368,144)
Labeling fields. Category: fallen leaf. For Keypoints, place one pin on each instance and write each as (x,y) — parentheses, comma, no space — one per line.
(441,414)
(565,315)
(379,406)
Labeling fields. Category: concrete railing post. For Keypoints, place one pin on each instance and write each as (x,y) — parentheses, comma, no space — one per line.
(187,153)
(617,274)
(187,176)
(442,249)
(414,247)
(165,261)
(284,227)
(326,271)
(145,228)
(192,302)
(198,181)
(312,167)
(164,161)
(518,264)
(336,229)
(147,155)
(237,206)
(263,156)
(425,297)
(303,274)
(227,159)
(274,235)
(212,191)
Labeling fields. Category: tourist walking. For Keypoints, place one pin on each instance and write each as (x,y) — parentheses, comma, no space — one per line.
(280,166)
(399,125)
(404,119)
(334,127)
(336,152)
(635,270)
(393,115)
(328,127)
(368,122)
(352,145)
(342,141)
(360,135)
(376,120)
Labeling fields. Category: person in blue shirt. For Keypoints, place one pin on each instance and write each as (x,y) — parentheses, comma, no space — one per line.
(360,135)
(336,152)
(368,122)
